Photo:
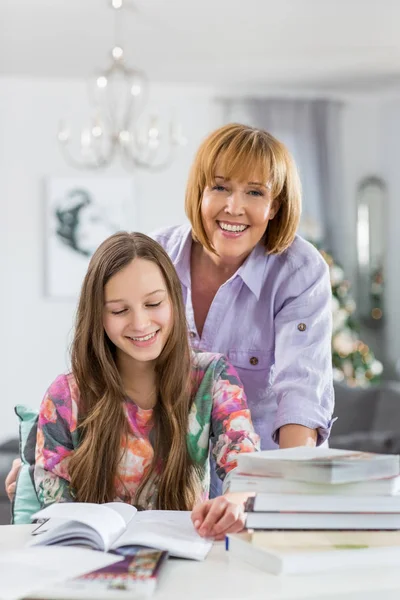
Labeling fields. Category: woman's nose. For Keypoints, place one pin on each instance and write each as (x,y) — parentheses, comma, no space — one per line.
(234,203)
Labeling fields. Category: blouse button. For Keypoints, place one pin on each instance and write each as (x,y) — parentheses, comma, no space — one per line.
(254,360)
(301,326)
(192,334)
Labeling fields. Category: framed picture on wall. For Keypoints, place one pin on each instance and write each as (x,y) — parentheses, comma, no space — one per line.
(80,213)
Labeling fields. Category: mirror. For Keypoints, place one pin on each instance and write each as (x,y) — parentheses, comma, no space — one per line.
(371,211)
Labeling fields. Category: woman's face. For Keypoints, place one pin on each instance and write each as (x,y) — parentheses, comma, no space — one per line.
(137,314)
(236,214)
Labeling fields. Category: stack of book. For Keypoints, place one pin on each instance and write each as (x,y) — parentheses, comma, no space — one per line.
(318,508)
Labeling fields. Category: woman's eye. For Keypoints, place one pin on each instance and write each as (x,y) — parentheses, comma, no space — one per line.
(119,312)
(154,305)
(255,193)
(218,188)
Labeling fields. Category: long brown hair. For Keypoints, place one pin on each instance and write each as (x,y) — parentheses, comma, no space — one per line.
(240,150)
(102,423)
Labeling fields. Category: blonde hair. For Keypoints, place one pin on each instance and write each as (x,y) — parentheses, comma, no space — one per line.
(93,466)
(241,150)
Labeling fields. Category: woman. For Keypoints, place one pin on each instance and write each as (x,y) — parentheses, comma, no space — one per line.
(134,419)
(253,290)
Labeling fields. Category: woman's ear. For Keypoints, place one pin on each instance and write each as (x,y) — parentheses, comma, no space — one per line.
(275,206)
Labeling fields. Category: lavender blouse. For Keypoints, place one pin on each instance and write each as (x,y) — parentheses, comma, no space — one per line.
(273,320)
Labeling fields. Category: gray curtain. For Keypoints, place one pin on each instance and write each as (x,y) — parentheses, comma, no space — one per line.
(311,129)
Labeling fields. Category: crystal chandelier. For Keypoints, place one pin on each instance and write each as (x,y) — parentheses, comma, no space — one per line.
(117,97)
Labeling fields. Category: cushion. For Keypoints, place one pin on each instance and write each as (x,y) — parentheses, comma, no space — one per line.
(26,502)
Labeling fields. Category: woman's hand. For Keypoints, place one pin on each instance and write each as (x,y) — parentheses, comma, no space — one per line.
(11,479)
(217,517)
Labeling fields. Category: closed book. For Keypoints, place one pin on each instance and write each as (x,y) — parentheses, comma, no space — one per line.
(325,504)
(318,521)
(239,482)
(296,552)
(320,465)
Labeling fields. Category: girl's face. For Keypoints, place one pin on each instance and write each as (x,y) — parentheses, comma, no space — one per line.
(236,214)
(137,314)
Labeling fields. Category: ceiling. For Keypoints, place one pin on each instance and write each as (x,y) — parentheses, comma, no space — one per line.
(239,43)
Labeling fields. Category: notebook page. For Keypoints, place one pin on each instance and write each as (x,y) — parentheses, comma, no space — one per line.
(127,511)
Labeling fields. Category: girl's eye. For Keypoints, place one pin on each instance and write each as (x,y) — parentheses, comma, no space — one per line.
(119,312)
(218,188)
(153,305)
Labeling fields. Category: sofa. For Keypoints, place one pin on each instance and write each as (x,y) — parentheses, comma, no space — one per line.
(368,419)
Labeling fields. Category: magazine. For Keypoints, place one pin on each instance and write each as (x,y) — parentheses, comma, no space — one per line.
(136,575)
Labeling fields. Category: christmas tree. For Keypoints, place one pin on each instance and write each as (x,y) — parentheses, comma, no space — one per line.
(353,361)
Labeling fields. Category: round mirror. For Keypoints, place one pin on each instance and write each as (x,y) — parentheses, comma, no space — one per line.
(371,211)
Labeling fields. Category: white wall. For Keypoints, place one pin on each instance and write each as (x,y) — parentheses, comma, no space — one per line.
(34,329)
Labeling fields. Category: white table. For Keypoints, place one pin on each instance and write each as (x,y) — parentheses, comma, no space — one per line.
(221,577)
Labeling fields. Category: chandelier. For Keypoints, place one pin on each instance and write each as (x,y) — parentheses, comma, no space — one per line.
(118,127)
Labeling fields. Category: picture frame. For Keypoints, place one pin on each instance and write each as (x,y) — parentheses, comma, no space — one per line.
(80,213)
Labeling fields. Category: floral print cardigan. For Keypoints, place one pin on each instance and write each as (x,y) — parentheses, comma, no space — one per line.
(219,420)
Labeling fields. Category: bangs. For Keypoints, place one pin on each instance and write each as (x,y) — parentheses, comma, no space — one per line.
(247,155)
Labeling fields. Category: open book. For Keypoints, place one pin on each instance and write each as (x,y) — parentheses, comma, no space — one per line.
(114,525)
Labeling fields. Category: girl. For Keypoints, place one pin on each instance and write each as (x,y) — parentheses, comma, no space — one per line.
(134,419)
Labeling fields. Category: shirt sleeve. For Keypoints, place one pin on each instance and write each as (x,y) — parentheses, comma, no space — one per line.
(302,379)
(55,443)
(232,427)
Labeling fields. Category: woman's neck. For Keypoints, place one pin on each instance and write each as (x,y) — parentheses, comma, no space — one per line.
(218,269)
(138,380)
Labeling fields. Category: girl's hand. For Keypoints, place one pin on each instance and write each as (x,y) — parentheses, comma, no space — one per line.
(217,517)
(11,479)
